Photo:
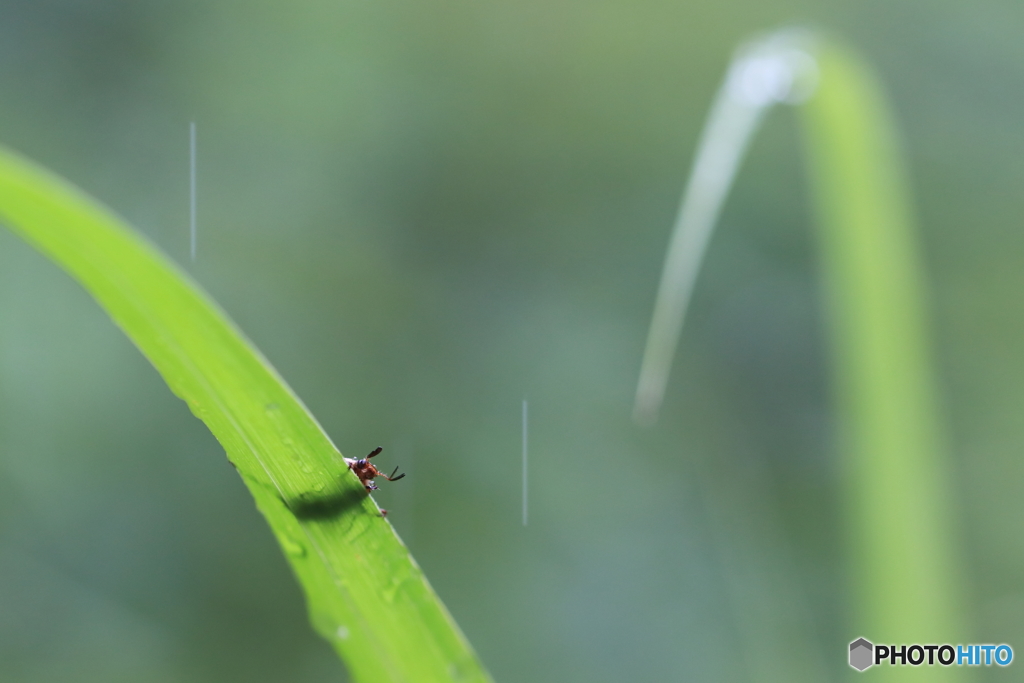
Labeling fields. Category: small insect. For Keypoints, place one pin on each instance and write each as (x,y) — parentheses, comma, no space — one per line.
(366,472)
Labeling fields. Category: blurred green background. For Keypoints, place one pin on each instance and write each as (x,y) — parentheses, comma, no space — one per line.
(423,213)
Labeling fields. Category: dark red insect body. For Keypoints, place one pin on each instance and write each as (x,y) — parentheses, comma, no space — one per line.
(366,472)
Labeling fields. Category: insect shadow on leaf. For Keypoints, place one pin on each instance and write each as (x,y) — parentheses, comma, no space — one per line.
(330,506)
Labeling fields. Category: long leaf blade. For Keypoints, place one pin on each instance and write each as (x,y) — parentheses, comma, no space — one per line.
(364,591)
(896,473)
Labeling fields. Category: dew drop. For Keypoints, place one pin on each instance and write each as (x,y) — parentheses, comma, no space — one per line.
(342,632)
(391,591)
(318,486)
(293,548)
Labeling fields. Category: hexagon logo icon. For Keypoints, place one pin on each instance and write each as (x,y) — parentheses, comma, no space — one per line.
(861,651)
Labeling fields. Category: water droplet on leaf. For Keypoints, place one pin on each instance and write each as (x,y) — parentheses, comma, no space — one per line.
(292,547)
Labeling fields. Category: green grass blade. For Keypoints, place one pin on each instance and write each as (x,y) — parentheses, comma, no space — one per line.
(895,468)
(763,73)
(730,127)
(906,583)
(365,593)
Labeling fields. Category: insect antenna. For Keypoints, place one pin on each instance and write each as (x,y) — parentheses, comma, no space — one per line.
(375,451)
(393,477)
